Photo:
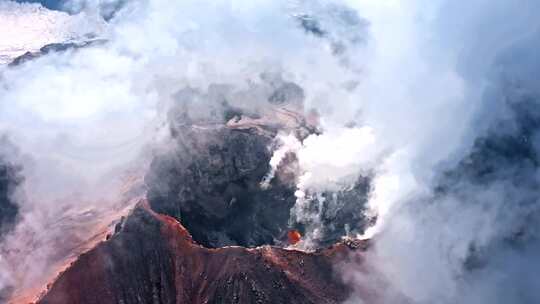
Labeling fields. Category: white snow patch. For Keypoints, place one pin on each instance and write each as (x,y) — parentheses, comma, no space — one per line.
(26,27)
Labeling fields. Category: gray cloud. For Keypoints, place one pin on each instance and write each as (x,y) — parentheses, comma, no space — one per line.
(469,235)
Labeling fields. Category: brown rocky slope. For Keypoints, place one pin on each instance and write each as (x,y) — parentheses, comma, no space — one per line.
(153,259)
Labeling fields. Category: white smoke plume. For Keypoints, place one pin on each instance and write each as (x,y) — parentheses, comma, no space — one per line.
(403,89)
(455,211)
(449,90)
(86,119)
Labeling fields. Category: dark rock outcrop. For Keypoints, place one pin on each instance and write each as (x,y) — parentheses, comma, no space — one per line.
(10,178)
(340,213)
(213,186)
(54,48)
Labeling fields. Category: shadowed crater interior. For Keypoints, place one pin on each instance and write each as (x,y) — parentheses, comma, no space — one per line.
(210,179)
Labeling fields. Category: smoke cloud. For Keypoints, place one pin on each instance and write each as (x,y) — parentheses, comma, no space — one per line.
(433,103)
(448,92)
(454,201)
(87,120)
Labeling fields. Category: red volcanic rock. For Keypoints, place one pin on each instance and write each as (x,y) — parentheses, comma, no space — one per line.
(153,259)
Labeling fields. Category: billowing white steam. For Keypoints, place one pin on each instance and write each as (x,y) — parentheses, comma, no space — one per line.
(434,76)
(82,118)
(448,70)
(412,76)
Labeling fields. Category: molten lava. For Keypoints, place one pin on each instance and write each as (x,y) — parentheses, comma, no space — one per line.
(294,236)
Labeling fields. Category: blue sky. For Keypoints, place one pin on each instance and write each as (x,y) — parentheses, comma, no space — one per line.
(52,4)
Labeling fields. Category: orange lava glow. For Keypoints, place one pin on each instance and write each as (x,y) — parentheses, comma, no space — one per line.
(294,236)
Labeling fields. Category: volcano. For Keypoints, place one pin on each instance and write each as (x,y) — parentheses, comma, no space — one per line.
(206,229)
